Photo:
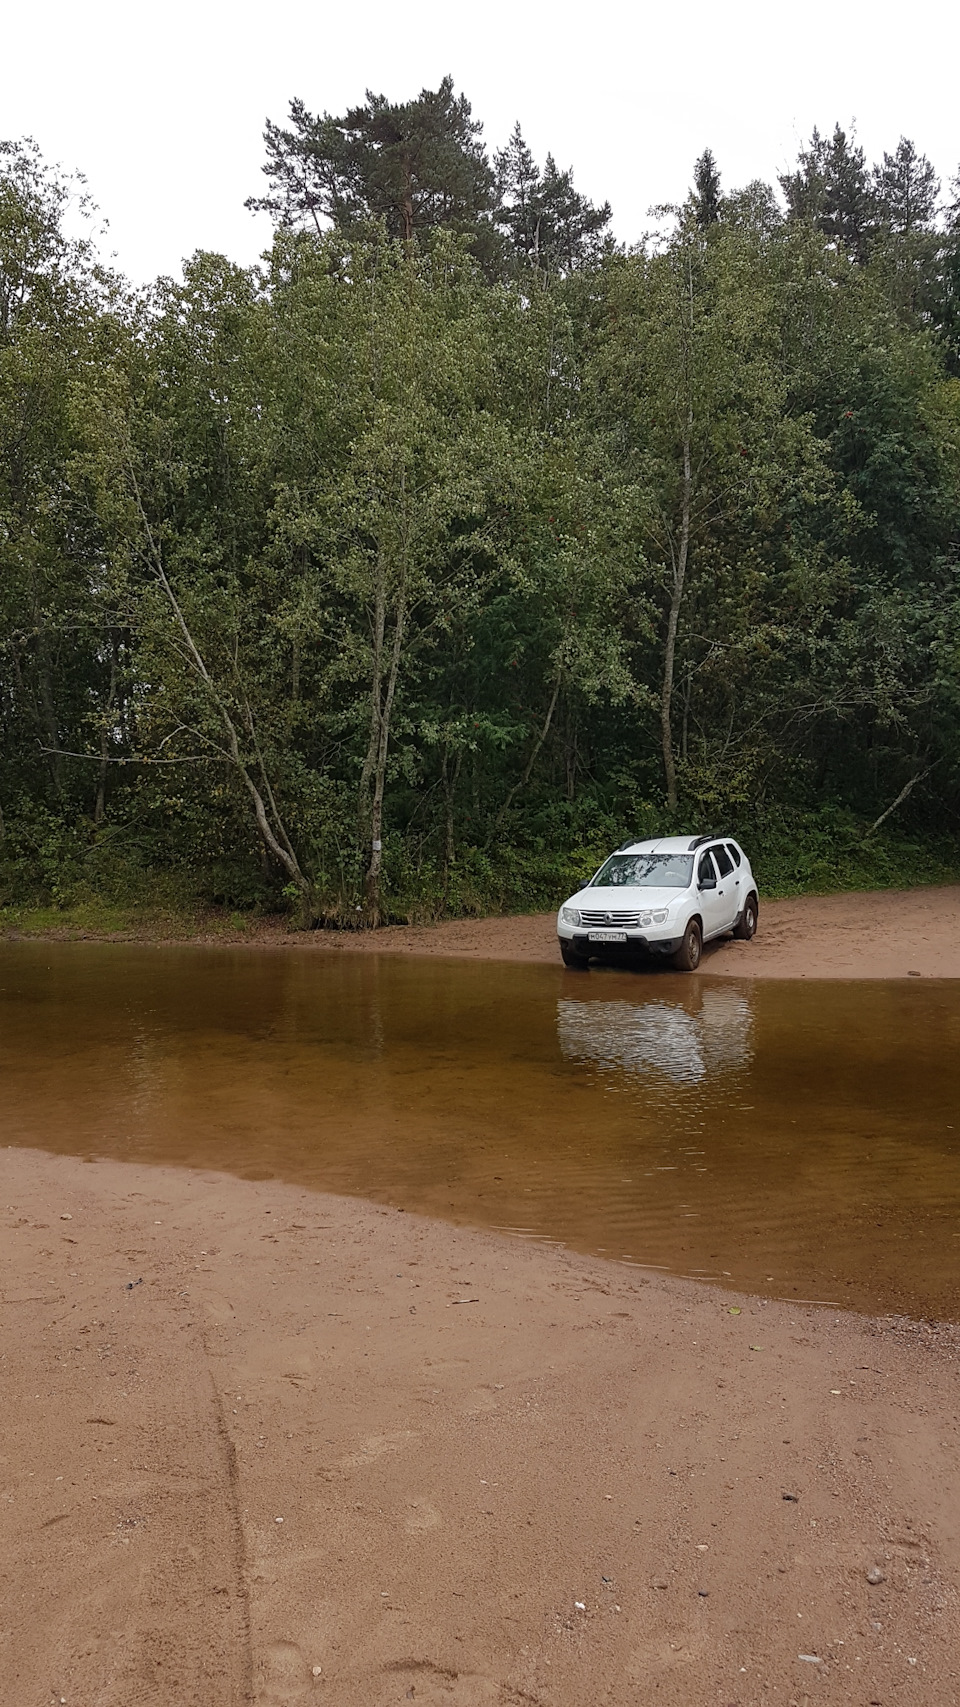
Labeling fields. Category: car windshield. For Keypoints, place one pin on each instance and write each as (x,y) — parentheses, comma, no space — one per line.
(645,871)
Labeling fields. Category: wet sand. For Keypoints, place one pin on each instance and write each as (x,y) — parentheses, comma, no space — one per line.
(508,1476)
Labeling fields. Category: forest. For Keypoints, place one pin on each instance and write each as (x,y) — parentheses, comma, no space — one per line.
(408,571)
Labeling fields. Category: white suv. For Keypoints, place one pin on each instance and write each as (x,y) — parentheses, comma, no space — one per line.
(666,897)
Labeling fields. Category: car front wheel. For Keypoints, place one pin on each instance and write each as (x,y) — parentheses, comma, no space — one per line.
(746,925)
(570,957)
(687,956)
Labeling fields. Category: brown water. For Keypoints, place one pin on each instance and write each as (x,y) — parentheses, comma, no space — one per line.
(796,1139)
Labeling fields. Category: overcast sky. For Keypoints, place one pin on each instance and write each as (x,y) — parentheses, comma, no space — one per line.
(162,106)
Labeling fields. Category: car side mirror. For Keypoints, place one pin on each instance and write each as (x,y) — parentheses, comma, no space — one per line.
(707,883)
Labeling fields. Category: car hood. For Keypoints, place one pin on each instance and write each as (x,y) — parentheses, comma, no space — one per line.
(623,899)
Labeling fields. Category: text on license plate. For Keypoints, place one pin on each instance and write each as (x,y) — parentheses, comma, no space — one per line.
(607,936)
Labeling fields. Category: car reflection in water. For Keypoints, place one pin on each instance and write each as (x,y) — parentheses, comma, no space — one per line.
(685,1040)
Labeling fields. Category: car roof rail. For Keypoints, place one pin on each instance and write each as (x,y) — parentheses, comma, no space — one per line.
(628,843)
(698,841)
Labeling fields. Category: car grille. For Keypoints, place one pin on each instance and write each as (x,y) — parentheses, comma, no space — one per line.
(622,921)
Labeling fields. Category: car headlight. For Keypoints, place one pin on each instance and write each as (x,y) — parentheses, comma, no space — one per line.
(660,917)
(570,915)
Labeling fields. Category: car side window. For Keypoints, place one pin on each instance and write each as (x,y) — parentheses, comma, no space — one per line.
(705,868)
(724,862)
(734,852)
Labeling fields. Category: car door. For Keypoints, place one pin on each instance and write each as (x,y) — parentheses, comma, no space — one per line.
(728,887)
(710,899)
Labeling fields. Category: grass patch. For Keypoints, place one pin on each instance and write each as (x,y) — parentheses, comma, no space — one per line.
(137,923)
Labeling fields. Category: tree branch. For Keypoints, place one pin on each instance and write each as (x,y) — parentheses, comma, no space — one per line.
(901,797)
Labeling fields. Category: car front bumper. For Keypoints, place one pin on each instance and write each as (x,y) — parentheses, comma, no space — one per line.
(637,942)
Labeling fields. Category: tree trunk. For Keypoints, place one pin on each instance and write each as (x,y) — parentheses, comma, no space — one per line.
(371,886)
(679,557)
(406,202)
(907,788)
(101,800)
(685,730)
(376,707)
(528,771)
(571,754)
(48,712)
(449,797)
(274,835)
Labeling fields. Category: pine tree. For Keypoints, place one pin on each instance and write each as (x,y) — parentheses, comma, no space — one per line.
(518,185)
(805,188)
(905,190)
(706,190)
(573,231)
(548,223)
(831,189)
(415,165)
(952,209)
(946,313)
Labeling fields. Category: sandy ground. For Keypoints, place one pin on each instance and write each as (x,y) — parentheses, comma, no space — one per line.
(262,1445)
(882,934)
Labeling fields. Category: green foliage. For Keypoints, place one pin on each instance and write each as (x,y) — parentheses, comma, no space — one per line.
(706,190)
(795,852)
(548,225)
(414,165)
(399,577)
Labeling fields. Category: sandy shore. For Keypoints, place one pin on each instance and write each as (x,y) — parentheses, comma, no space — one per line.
(262,1445)
(881,934)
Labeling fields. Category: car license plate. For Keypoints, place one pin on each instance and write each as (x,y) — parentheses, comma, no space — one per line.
(607,936)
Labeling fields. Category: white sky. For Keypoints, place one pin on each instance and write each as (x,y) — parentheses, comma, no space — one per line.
(162,106)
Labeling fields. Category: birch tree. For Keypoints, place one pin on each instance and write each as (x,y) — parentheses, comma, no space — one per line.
(407,524)
(694,392)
